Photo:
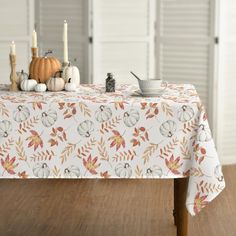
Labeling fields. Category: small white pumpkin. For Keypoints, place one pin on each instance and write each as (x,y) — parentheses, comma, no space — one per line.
(154,172)
(103,114)
(21,114)
(49,118)
(131,117)
(168,128)
(69,86)
(185,113)
(72,172)
(204,134)
(123,170)
(86,128)
(55,84)
(71,72)
(5,128)
(218,173)
(40,87)
(21,76)
(28,84)
(41,170)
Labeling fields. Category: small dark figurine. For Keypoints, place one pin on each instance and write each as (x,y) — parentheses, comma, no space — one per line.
(110,83)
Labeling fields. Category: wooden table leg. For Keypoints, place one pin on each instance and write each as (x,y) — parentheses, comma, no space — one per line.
(180,212)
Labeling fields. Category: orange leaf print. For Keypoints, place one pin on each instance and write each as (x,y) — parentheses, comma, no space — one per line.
(90,164)
(8,164)
(199,202)
(35,140)
(105,175)
(173,164)
(117,140)
(23,175)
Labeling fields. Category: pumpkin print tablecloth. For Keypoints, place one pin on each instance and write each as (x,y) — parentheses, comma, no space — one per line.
(92,134)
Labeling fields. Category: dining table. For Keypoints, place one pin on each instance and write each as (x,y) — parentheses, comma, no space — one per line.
(92,134)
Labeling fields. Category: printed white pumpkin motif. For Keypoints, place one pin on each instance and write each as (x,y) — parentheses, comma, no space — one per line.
(218,173)
(72,172)
(168,128)
(49,118)
(21,114)
(123,170)
(185,113)
(5,128)
(104,113)
(204,134)
(41,170)
(154,172)
(131,117)
(85,128)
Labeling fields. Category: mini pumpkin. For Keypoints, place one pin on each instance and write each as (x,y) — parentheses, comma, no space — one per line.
(55,84)
(123,170)
(21,76)
(204,134)
(185,113)
(43,68)
(218,173)
(103,114)
(28,84)
(49,118)
(40,87)
(41,170)
(5,128)
(168,128)
(72,73)
(69,86)
(21,114)
(72,172)
(86,128)
(131,117)
(154,172)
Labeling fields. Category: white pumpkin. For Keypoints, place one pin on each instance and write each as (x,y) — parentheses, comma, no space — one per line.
(123,170)
(71,72)
(55,84)
(86,128)
(154,172)
(103,114)
(185,113)
(21,114)
(21,76)
(131,117)
(218,173)
(5,128)
(168,128)
(28,84)
(204,134)
(41,87)
(69,86)
(72,172)
(49,118)
(41,170)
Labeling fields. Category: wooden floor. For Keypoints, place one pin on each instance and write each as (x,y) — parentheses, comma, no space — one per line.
(107,208)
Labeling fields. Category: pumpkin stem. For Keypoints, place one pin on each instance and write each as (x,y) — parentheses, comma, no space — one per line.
(22,71)
(39,81)
(69,80)
(48,52)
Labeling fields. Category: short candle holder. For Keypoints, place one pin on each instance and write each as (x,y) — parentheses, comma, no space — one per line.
(13,75)
(34,52)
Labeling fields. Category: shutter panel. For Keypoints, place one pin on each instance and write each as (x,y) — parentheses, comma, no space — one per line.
(185,44)
(227,82)
(123,34)
(50,17)
(16,24)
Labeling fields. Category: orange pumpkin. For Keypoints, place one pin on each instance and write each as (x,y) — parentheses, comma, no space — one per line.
(42,68)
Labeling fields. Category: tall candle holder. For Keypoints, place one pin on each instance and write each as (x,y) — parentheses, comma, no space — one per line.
(13,75)
(34,52)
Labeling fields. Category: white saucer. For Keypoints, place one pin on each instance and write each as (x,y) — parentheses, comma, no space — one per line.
(151,93)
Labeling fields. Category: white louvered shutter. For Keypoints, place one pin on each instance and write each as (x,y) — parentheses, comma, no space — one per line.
(50,18)
(16,23)
(185,45)
(123,36)
(227,82)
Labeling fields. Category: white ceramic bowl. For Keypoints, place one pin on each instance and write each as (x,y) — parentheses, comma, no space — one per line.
(152,85)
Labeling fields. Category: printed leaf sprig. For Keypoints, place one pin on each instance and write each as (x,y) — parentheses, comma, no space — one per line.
(151,109)
(70,109)
(140,135)
(86,148)
(124,156)
(110,125)
(67,151)
(57,134)
(27,125)
(43,156)
(185,149)
(84,109)
(149,151)
(102,150)
(166,109)
(169,148)
(6,147)
(20,150)
(3,110)
(206,187)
